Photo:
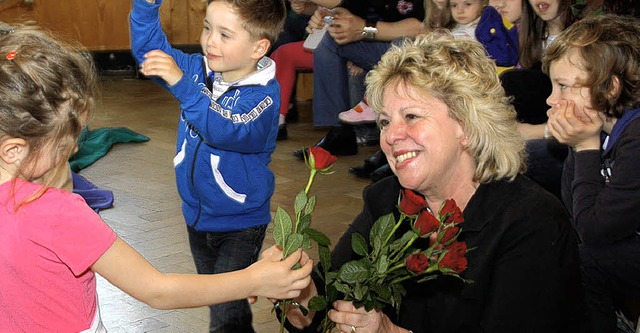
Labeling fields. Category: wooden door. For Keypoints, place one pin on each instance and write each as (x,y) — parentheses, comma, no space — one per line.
(103,25)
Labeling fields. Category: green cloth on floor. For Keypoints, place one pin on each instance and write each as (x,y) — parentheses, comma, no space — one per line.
(94,144)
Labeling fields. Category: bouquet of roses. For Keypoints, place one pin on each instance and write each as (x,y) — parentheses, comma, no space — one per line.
(375,280)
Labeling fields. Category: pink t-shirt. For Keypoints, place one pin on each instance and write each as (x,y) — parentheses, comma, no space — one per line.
(46,250)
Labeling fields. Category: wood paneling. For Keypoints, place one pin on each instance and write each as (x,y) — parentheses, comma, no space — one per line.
(104,24)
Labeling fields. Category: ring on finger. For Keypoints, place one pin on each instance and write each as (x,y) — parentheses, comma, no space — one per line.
(353,329)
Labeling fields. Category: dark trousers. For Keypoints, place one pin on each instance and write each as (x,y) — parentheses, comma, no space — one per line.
(611,276)
(220,252)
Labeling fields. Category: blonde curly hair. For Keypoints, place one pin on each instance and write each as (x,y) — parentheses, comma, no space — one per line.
(459,73)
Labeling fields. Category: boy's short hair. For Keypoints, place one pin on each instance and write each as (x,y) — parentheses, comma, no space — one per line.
(261,18)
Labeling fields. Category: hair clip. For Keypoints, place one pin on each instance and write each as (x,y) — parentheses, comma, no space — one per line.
(11,55)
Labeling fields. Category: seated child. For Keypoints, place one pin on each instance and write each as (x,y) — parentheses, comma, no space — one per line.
(475,20)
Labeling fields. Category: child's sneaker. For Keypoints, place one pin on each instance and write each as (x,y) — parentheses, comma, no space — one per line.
(359,114)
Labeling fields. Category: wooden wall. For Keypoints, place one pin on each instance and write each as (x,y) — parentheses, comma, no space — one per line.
(103,25)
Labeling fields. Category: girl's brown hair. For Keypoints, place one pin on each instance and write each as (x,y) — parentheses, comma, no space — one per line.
(47,91)
(533,32)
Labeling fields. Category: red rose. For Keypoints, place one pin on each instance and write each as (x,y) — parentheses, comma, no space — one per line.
(452,212)
(425,223)
(454,258)
(417,262)
(448,234)
(320,159)
(412,203)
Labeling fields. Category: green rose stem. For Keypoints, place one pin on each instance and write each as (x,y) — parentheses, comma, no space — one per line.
(395,228)
(312,175)
(287,303)
(431,269)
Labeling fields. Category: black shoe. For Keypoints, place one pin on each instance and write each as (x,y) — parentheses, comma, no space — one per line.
(282,132)
(370,165)
(340,141)
(292,114)
(381,172)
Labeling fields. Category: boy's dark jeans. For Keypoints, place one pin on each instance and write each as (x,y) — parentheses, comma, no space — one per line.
(219,252)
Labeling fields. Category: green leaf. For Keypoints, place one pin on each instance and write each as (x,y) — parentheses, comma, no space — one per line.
(382,290)
(428,278)
(332,294)
(300,201)
(318,303)
(382,264)
(305,221)
(294,241)
(353,271)
(342,287)
(380,231)
(281,226)
(325,257)
(402,241)
(397,291)
(330,277)
(318,237)
(360,291)
(306,242)
(311,204)
(359,244)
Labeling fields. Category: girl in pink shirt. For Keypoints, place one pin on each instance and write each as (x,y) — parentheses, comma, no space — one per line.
(51,242)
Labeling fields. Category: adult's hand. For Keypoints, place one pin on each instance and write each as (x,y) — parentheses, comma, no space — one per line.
(346,27)
(579,129)
(317,19)
(298,6)
(347,317)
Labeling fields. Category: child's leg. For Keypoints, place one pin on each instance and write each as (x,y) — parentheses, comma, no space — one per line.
(289,58)
(215,253)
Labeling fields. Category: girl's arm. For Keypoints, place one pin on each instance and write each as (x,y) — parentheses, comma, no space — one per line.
(270,277)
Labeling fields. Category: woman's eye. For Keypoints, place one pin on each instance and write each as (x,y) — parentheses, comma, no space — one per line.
(411,116)
(382,123)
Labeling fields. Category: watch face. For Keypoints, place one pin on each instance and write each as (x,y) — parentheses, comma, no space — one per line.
(369,32)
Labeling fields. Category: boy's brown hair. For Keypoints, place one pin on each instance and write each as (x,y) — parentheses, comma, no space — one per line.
(261,18)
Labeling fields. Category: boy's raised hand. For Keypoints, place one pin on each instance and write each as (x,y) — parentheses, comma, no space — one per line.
(158,63)
(274,278)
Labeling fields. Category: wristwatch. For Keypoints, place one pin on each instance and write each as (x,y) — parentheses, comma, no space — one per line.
(369,31)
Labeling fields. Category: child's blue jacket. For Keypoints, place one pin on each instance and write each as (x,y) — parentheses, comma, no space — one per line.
(224,144)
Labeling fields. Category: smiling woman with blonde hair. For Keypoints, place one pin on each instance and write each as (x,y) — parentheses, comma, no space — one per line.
(448,131)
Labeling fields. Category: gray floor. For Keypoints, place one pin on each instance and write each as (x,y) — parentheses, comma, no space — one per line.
(147,214)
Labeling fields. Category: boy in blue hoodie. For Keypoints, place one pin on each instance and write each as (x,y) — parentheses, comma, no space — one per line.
(229,102)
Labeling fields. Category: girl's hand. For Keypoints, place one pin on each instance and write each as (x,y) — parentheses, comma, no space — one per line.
(274,278)
(347,317)
(579,129)
(346,27)
(160,64)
